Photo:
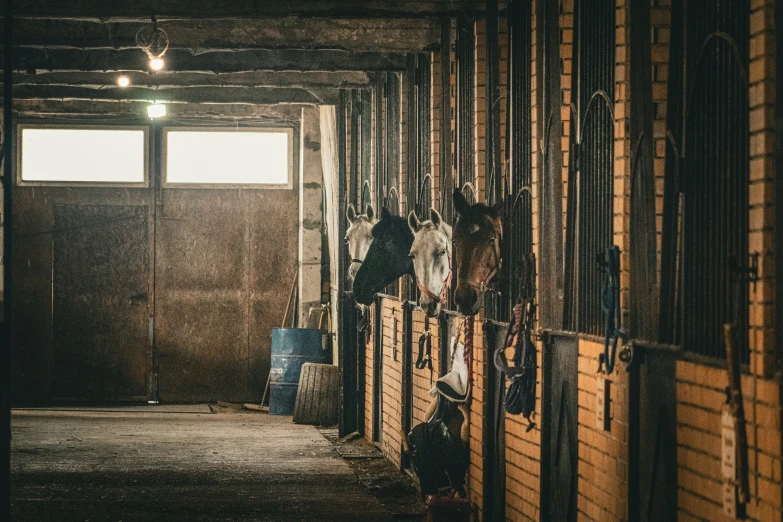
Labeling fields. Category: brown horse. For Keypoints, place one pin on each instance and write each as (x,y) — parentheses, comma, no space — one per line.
(477,235)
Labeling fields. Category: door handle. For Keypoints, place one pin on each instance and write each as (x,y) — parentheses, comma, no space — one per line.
(140,297)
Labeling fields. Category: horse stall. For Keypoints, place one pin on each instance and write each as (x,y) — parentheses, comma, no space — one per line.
(543,236)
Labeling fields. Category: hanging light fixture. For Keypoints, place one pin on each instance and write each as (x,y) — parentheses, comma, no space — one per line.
(156,110)
(123,81)
(154,42)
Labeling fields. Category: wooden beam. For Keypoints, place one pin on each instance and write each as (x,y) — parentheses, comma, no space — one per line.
(125,112)
(169,79)
(202,36)
(223,95)
(141,10)
(216,62)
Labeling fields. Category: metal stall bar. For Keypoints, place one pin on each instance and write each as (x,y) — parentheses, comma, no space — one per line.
(446,138)
(493,182)
(643,243)
(551,162)
(778,190)
(354,168)
(366,195)
(716,160)
(670,312)
(8,175)
(593,203)
(346,313)
(465,102)
(519,204)
(412,138)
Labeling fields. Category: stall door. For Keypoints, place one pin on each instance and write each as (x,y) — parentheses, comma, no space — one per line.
(100,302)
(225,262)
(655,495)
(559,439)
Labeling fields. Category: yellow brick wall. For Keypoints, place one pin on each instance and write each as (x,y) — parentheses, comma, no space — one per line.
(392,381)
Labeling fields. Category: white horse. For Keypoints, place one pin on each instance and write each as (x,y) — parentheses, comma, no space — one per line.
(359,236)
(431,253)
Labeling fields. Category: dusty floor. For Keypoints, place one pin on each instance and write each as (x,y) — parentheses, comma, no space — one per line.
(187,463)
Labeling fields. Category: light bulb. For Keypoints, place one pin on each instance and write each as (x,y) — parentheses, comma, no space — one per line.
(123,81)
(156,110)
(156,64)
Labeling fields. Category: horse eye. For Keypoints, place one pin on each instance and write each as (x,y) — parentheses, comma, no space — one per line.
(412,255)
(491,239)
(442,253)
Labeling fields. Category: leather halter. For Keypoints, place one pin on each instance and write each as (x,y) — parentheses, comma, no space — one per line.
(441,298)
(357,261)
(483,284)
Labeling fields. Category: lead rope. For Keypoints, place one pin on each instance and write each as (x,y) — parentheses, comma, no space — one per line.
(468,351)
(609,264)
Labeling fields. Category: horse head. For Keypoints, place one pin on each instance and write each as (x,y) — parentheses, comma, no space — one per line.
(359,236)
(431,254)
(477,235)
(387,258)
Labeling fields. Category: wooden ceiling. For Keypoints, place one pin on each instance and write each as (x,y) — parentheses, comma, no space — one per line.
(256,52)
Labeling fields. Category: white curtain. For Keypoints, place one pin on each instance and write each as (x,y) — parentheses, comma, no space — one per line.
(329,160)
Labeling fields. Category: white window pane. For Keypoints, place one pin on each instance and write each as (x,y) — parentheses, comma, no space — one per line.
(220,157)
(84,155)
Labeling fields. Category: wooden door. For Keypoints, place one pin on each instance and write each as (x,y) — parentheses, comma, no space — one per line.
(225,262)
(653,495)
(100,302)
(495,429)
(559,457)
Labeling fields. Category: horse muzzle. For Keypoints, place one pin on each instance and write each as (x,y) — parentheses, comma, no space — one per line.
(468,299)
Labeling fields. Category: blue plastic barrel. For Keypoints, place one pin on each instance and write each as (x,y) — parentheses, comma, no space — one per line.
(291,348)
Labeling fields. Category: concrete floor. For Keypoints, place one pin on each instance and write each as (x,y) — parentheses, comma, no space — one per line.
(153,463)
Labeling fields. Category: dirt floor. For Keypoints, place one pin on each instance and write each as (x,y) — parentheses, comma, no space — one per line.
(196,463)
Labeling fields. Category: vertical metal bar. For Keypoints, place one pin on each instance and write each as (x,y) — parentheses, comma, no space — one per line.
(8,175)
(341,113)
(354,167)
(550,162)
(446,139)
(669,229)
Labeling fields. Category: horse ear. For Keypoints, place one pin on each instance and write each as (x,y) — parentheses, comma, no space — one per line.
(461,204)
(413,221)
(498,208)
(385,213)
(435,218)
(350,213)
(370,212)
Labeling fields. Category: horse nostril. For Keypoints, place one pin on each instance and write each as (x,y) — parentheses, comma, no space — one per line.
(466,297)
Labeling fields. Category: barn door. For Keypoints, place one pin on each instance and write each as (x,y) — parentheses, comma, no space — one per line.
(225,262)
(653,470)
(100,308)
(559,438)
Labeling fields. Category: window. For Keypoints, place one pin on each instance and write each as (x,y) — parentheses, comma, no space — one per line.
(83,154)
(228,157)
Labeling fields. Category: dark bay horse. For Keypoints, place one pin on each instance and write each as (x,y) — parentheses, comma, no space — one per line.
(387,259)
(477,235)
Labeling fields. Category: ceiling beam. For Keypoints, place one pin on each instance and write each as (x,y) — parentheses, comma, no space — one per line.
(223,95)
(203,36)
(141,10)
(120,112)
(216,62)
(169,79)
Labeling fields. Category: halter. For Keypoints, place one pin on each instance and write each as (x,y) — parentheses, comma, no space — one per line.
(483,285)
(357,261)
(441,298)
